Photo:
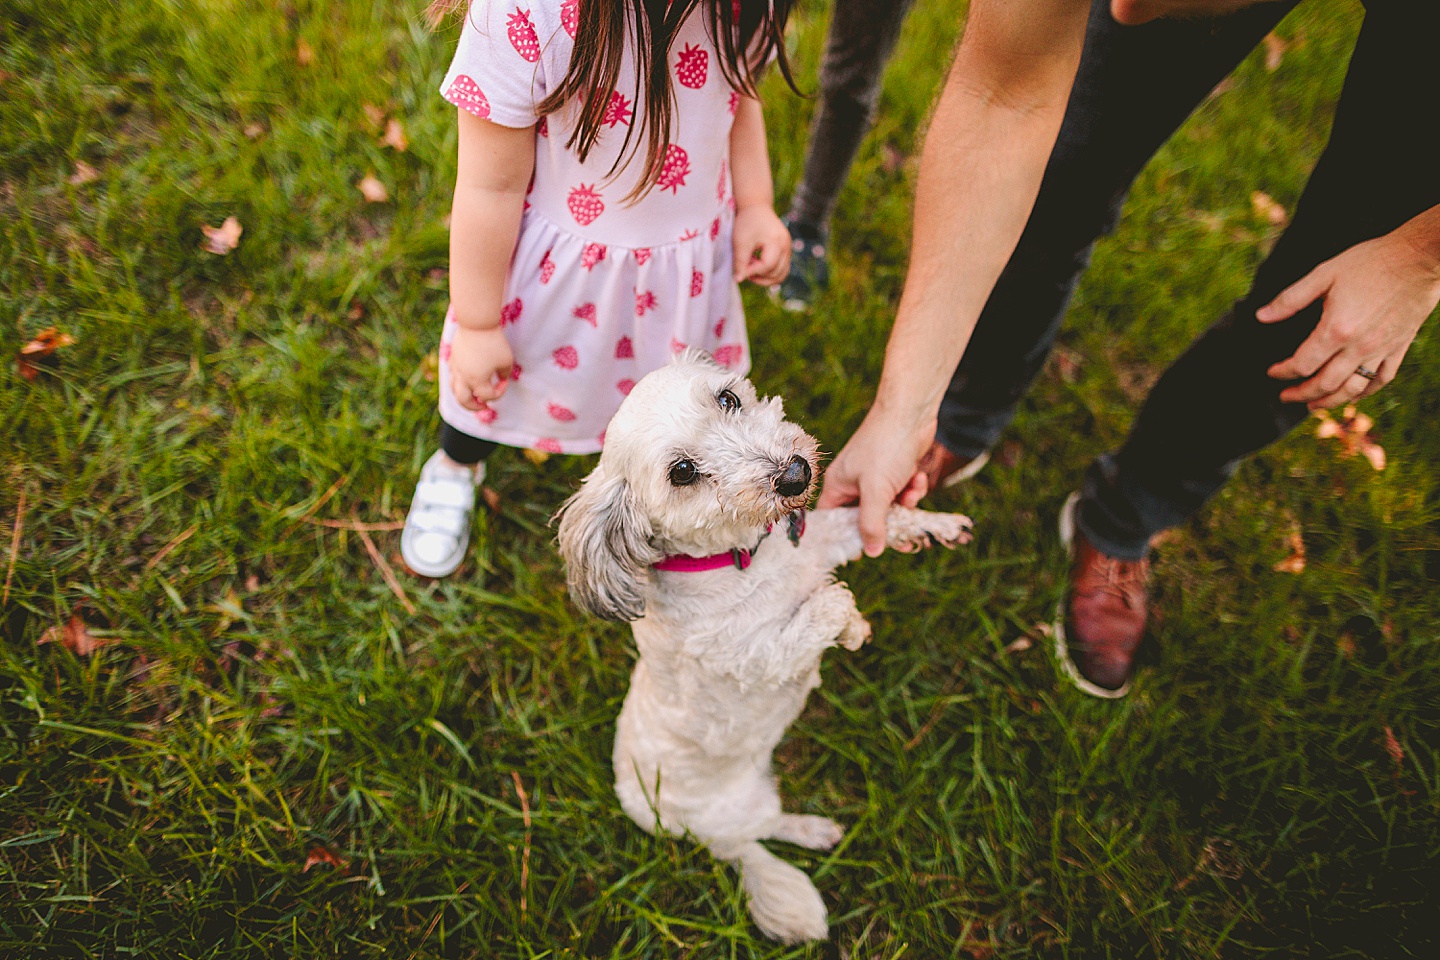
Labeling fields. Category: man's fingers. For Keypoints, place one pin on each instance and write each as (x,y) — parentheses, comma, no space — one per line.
(1353,389)
(1307,359)
(1294,298)
(1327,380)
(915,490)
(874,505)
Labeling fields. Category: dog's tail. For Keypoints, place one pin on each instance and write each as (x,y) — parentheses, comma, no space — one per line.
(784,903)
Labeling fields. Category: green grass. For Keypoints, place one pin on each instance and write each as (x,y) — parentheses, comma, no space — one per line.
(263,694)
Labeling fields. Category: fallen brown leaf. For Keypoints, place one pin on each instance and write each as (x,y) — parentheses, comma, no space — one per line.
(75,636)
(14,544)
(84,173)
(892,158)
(1353,431)
(46,342)
(1392,747)
(325,856)
(536,457)
(374,114)
(1268,209)
(1295,562)
(395,136)
(304,53)
(1275,47)
(254,131)
(373,190)
(222,239)
(491,498)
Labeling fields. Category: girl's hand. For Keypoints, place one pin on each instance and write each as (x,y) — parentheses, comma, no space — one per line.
(762,246)
(480,364)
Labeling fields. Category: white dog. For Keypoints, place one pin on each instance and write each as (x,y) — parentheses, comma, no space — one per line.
(692,526)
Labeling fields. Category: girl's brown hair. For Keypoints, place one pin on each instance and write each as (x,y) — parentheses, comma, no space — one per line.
(746,33)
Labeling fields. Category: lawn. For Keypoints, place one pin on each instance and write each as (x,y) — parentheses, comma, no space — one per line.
(225,733)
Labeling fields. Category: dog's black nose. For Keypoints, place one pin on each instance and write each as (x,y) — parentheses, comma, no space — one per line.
(794,479)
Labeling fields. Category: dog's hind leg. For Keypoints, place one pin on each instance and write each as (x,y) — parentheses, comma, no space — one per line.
(806,830)
(783,902)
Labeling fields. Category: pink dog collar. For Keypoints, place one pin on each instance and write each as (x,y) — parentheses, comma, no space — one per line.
(737,557)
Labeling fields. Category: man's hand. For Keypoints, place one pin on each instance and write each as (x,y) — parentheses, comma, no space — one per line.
(878,468)
(762,246)
(480,364)
(1376,296)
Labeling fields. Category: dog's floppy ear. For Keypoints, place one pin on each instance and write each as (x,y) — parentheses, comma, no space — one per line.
(605,542)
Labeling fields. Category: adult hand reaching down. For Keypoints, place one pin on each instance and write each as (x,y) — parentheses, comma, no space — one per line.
(1376,296)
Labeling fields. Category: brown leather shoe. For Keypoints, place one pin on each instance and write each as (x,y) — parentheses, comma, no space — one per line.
(943,469)
(1104,614)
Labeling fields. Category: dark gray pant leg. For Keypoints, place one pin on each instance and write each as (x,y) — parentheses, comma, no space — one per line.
(862,36)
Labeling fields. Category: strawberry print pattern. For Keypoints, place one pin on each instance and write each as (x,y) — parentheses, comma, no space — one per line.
(692,65)
(674,170)
(591,255)
(510,312)
(522,35)
(600,290)
(585,204)
(467,95)
(618,111)
(728,355)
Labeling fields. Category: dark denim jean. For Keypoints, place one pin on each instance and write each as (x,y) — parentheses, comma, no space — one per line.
(1215,405)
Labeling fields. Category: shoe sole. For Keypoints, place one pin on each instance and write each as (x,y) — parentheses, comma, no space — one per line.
(1061,649)
(966,472)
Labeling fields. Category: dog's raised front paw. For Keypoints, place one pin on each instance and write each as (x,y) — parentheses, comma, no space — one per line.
(908,530)
(808,831)
(856,633)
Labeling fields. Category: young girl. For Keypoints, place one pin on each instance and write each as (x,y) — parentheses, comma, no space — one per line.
(613,188)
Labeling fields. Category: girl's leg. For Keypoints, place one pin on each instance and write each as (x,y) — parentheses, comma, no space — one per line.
(463,449)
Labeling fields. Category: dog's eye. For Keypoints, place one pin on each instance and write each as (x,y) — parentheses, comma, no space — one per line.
(728,401)
(683,472)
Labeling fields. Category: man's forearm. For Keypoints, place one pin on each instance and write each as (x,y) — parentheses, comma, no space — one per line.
(980,171)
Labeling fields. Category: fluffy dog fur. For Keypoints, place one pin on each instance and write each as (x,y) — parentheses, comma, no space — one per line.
(727,656)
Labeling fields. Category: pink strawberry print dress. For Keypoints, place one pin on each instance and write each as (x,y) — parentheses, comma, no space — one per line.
(600,292)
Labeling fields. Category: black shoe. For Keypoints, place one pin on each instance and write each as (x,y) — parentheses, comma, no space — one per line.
(809,268)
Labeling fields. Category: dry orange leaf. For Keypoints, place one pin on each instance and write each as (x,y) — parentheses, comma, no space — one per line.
(46,342)
(395,136)
(1392,747)
(222,239)
(536,457)
(324,855)
(76,637)
(1266,207)
(84,173)
(1275,47)
(253,131)
(491,498)
(374,114)
(1295,562)
(304,53)
(1353,432)
(373,190)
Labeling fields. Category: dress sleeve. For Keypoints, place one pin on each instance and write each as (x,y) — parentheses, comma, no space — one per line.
(511,54)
